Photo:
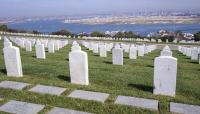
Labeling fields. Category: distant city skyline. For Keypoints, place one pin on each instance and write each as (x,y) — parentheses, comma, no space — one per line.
(30,8)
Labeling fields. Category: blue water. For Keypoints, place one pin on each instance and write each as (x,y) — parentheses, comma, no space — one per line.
(142,29)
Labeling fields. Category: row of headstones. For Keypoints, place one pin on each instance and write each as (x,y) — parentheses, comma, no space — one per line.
(60,36)
(164,72)
(40,45)
(80,58)
(33,35)
(12,56)
(191,52)
(117,51)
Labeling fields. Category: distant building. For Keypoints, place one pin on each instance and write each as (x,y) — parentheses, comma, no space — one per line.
(188,36)
(169,34)
(111,33)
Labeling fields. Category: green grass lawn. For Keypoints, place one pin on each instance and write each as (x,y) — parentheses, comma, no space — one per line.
(134,78)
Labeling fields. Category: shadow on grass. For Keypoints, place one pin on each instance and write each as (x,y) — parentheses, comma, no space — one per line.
(180,54)
(3,71)
(107,62)
(187,58)
(194,62)
(67,59)
(109,53)
(65,78)
(151,66)
(126,57)
(141,87)
(96,55)
(34,56)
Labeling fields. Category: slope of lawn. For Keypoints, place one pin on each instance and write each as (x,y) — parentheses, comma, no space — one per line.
(134,78)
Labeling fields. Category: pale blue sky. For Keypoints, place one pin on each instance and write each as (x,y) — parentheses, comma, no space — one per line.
(21,8)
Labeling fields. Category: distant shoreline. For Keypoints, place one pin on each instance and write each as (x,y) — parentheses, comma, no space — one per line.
(48,26)
(137,20)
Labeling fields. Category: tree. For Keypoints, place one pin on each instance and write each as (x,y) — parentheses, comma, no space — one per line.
(129,34)
(36,32)
(179,35)
(197,36)
(97,34)
(3,28)
(62,32)
(6,29)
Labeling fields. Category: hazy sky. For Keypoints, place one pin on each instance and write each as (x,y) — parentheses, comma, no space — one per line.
(21,8)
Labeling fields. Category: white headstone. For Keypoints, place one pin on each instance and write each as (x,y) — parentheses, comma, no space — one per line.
(165,75)
(12,61)
(95,48)
(51,47)
(60,44)
(64,43)
(140,50)
(133,52)
(78,63)
(38,42)
(103,51)
(117,55)
(194,54)
(166,51)
(184,50)
(74,43)
(167,41)
(28,46)
(22,45)
(56,45)
(40,51)
(199,50)
(6,44)
(199,58)
(188,52)
(166,48)
(159,40)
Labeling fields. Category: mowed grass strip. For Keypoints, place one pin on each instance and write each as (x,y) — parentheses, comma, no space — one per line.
(134,78)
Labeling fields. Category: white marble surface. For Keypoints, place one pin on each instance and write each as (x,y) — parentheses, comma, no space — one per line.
(51,47)
(12,60)
(165,72)
(13,85)
(47,89)
(117,55)
(57,110)
(78,63)
(40,51)
(102,51)
(138,102)
(89,95)
(17,107)
(194,55)
(133,52)
(184,108)
(140,50)
(28,46)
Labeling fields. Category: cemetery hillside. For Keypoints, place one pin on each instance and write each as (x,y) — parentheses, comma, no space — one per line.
(52,74)
(99,57)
